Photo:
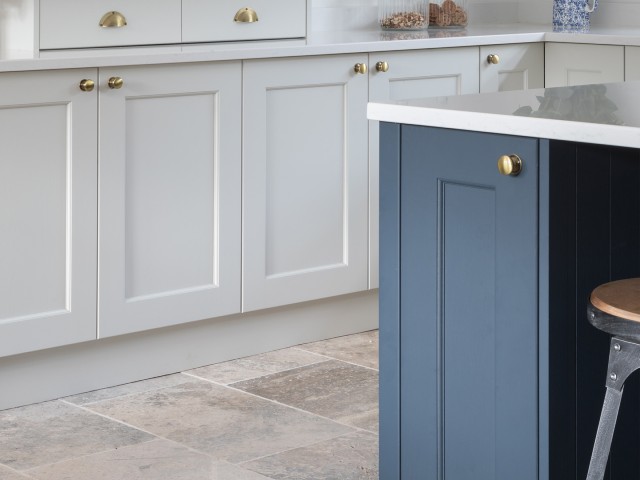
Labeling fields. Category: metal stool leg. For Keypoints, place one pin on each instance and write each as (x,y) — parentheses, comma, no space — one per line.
(607,424)
(624,359)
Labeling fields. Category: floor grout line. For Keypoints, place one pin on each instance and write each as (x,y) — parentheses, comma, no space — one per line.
(86,455)
(124,395)
(353,428)
(292,449)
(157,437)
(188,372)
(19,472)
(338,359)
(359,429)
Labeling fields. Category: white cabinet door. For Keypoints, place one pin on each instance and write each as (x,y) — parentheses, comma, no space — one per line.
(169,202)
(412,74)
(48,219)
(631,63)
(304,179)
(511,67)
(569,64)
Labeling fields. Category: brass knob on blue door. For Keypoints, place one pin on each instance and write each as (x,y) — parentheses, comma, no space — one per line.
(510,165)
(87,85)
(493,59)
(382,67)
(360,68)
(115,83)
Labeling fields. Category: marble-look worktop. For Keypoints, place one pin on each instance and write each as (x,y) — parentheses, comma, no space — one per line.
(318,43)
(607,114)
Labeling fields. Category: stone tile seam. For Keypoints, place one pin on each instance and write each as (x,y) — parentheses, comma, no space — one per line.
(18,472)
(241,464)
(352,427)
(338,359)
(124,395)
(187,373)
(88,410)
(88,455)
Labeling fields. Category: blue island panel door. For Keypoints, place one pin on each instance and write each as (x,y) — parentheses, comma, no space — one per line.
(467,321)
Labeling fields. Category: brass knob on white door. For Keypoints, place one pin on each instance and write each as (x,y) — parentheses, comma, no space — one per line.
(360,68)
(510,165)
(493,59)
(382,67)
(87,85)
(115,83)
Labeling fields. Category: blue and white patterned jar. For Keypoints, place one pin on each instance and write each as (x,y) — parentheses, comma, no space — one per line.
(572,15)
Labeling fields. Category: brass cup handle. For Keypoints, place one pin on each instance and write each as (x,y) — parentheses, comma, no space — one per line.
(510,165)
(114,83)
(382,67)
(87,85)
(493,59)
(113,19)
(360,68)
(246,15)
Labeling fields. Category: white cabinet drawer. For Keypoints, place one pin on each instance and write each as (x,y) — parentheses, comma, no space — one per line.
(76,23)
(213,20)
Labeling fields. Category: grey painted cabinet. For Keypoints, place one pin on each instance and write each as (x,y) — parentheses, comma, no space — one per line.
(458,306)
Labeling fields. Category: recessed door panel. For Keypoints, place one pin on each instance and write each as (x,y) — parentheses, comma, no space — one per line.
(170,230)
(48,218)
(304,180)
(305,197)
(169,196)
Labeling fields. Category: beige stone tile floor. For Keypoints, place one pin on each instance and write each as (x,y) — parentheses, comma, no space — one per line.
(308,412)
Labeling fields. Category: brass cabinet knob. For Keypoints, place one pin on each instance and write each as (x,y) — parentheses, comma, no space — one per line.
(87,85)
(360,68)
(493,59)
(246,15)
(510,165)
(115,83)
(382,67)
(113,20)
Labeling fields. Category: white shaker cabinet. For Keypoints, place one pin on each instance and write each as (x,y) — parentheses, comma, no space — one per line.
(305,179)
(569,64)
(631,63)
(169,200)
(511,67)
(48,189)
(412,74)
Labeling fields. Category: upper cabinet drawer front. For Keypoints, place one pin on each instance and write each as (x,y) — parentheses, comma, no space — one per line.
(213,20)
(75,23)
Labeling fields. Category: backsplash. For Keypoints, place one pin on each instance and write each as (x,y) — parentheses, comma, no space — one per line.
(362,14)
(617,14)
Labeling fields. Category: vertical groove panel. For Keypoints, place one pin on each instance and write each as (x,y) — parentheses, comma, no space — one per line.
(593,250)
(594,238)
(562,312)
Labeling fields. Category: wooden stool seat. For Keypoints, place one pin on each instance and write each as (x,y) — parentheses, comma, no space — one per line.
(614,308)
(620,298)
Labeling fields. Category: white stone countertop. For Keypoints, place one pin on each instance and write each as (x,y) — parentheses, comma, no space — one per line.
(606,114)
(319,43)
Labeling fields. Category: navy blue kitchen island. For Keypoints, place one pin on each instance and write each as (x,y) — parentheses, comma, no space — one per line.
(488,366)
